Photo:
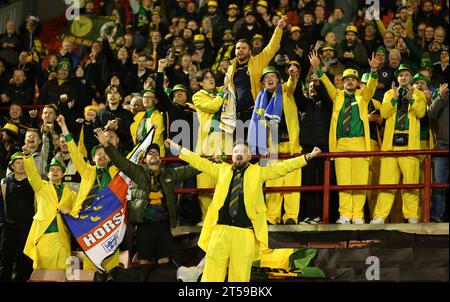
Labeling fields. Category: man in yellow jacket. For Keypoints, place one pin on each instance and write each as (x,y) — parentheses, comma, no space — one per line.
(235,230)
(402,108)
(93,180)
(245,71)
(284,138)
(48,242)
(349,131)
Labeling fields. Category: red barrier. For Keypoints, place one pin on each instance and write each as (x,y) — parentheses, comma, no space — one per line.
(326,188)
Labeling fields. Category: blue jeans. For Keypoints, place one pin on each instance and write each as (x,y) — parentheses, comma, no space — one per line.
(440,175)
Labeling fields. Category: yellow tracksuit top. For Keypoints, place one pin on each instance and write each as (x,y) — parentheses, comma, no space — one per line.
(415,112)
(88,175)
(206,106)
(254,178)
(257,63)
(290,112)
(155,119)
(362,96)
(47,210)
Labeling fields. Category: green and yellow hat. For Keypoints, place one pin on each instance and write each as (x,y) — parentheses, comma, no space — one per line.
(179,87)
(258,36)
(352,73)
(402,67)
(63,65)
(420,77)
(328,47)
(351,28)
(294,29)
(381,49)
(262,3)
(199,39)
(55,162)
(95,148)
(269,69)
(17,155)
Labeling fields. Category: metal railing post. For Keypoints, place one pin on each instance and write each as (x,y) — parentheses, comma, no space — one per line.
(326,191)
(427,189)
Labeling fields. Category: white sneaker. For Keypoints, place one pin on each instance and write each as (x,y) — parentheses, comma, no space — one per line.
(343,220)
(377,221)
(316,220)
(307,220)
(200,223)
(358,221)
(413,220)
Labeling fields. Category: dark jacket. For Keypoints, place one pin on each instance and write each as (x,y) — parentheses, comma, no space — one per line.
(51,91)
(167,178)
(22,95)
(172,111)
(125,118)
(18,201)
(315,118)
(359,62)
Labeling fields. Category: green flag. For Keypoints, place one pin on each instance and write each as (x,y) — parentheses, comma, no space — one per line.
(86,30)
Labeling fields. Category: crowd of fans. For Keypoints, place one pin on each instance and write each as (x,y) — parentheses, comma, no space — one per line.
(180,60)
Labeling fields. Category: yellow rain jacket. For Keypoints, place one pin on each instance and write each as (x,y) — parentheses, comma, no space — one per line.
(415,112)
(254,178)
(290,112)
(57,249)
(362,96)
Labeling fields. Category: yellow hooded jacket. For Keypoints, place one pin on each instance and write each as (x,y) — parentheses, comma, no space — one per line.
(362,96)
(47,210)
(415,112)
(255,206)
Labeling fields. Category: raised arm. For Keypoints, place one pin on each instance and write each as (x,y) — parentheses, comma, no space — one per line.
(283,168)
(371,86)
(80,164)
(33,175)
(315,64)
(195,160)
(274,44)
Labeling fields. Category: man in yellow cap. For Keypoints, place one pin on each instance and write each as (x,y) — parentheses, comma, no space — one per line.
(257,44)
(275,106)
(402,108)
(352,52)
(349,131)
(48,242)
(235,230)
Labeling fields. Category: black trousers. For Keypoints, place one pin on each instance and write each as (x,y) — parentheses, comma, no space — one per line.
(12,242)
(312,175)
